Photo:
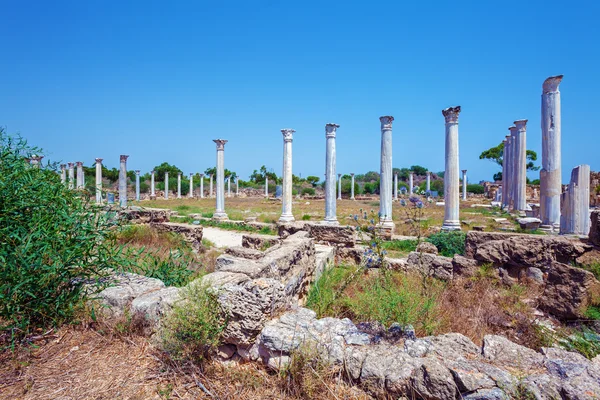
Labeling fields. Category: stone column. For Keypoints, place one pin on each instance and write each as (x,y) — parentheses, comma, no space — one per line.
(428,184)
(352,188)
(201,186)
(330,164)
(79,165)
(137,185)
(152,192)
(267,187)
(464,184)
(166,186)
(63,173)
(237,186)
(179,185)
(210,193)
(286,198)
(220,203)
(411,185)
(339,186)
(385,185)
(98,181)
(71,176)
(36,161)
(520,200)
(504,162)
(514,151)
(507,191)
(575,203)
(191,193)
(395,186)
(550,174)
(451,184)
(123,181)
(229,186)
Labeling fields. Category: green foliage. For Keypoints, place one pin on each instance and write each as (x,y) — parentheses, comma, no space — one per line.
(418,170)
(404,246)
(160,170)
(261,175)
(592,312)
(475,188)
(308,191)
(52,242)
(313,180)
(438,186)
(195,325)
(594,268)
(496,154)
(213,171)
(322,296)
(584,341)
(306,217)
(371,187)
(449,243)
(347,187)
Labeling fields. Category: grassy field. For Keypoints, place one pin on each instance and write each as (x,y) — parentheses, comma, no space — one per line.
(314,210)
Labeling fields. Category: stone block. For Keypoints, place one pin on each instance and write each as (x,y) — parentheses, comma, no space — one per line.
(529,223)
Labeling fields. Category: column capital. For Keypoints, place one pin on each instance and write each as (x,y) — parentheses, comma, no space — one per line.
(550,85)
(339,176)
(192,174)
(137,171)
(521,124)
(451,114)
(386,122)
(79,163)
(152,172)
(70,165)
(99,160)
(288,134)
(513,130)
(428,173)
(201,175)
(179,174)
(464,171)
(330,130)
(166,173)
(123,157)
(352,174)
(63,166)
(220,144)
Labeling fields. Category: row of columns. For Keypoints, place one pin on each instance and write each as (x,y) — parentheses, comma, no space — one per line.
(514,168)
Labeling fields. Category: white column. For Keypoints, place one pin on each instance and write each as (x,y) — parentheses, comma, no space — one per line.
(385,185)
(210,193)
(395,186)
(71,176)
(411,185)
(521,165)
(267,187)
(464,184)
(98,181)
(123,181)
(575,203)
(504,179)
(63,173)
(339,186)
(220,203)
(237,186)
(191,193)
(152,192)
(330,165)
(352,188)
(428,185)
(201,186)
(166,186)
(507,192)
(286,200)
(137,185)
(550,174)
(79,174)
(179,185)
(229,186)
(451,174)
(514,152)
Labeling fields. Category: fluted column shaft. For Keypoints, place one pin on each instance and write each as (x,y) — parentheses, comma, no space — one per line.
(166,186)
(286,200)
(220,201)
(451,174)
(237,186)
(137,185)
(428,184)
(575,203)
(330,165)
(229,186)
(411,185)
(79,174)
(521,165)
(514,164)
(385,185)
(504,179)
(123,181)
(152,192)
(210,193)
(71,176)
(509,171)
(63,173)
(396,186)
(179,185)
(352,188)
(98,180)
(550,174)
(191,193)
(267,187)
(339,186)
(464,184)
(201,186)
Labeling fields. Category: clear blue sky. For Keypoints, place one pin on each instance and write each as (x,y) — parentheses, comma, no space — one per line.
(160,80)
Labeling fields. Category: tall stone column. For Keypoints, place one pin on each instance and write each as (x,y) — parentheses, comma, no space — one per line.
(63,173)
(191,193)
(179,185)
(210,193)
(166,186)
(411,185)
(504,162)
(98,180)
(385,185)
(550,174)
(152,191)
(267,187)
(352,188)
(507,192)
(339,186)
(137,185)
(79,165)
(123,181)
(521,165)
(451,174)
(395,186)
(514,164)
(201,186)
(237,186)
(575,203)
(286,198)
(330,164)
(464,184)
(428,182)
(71,176)
(220,213)
(229,186)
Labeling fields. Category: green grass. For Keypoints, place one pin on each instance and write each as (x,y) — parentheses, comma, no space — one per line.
(399,248)
(594,268)
(449,243)
(232,226)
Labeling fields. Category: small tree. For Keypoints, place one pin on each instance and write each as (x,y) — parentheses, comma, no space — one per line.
(496,154)
(313,180)
(159,172)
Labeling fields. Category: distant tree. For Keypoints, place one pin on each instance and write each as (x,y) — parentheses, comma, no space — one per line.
(440,174)
(313,180)
(371,176)
(498,176)
(261,175)
(159,171)
(417,169)
(213,171)
(496,154)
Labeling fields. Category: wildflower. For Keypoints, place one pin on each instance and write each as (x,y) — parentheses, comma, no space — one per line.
(355,217)
(413,199)
(419,204)
(403,202)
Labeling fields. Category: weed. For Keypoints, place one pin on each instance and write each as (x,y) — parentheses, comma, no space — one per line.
(449,243)
(404,246)
(594,268)
(306,217)
(584,341)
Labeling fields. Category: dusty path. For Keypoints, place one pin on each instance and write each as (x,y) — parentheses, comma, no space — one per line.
(222,238)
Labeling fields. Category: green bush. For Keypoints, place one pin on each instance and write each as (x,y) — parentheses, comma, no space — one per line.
(400,245)
(194,327)
(474,188)
(308,191)
(306,217)
(52,242)
(449,243)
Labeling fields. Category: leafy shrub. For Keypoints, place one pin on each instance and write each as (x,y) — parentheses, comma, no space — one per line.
(474,188)
(371,187)
(449,243)
(586,342)
(308,191)
(306,217)
(52,243)
(194,327)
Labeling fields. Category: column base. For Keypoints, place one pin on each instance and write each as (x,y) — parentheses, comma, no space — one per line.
(331,221)
(385,229)
(286,218)
(352,198)
(550,228)
(220,216)
(152,197)
(451,226)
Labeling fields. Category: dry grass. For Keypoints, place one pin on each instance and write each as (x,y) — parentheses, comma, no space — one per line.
(80,363)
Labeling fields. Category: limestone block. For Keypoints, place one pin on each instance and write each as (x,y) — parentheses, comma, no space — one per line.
(431,265)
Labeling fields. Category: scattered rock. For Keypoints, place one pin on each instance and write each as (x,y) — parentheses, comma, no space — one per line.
(529,223)
(426,247)
(463,266)
(431,265)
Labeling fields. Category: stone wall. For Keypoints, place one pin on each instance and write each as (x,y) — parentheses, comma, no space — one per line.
(192,234)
